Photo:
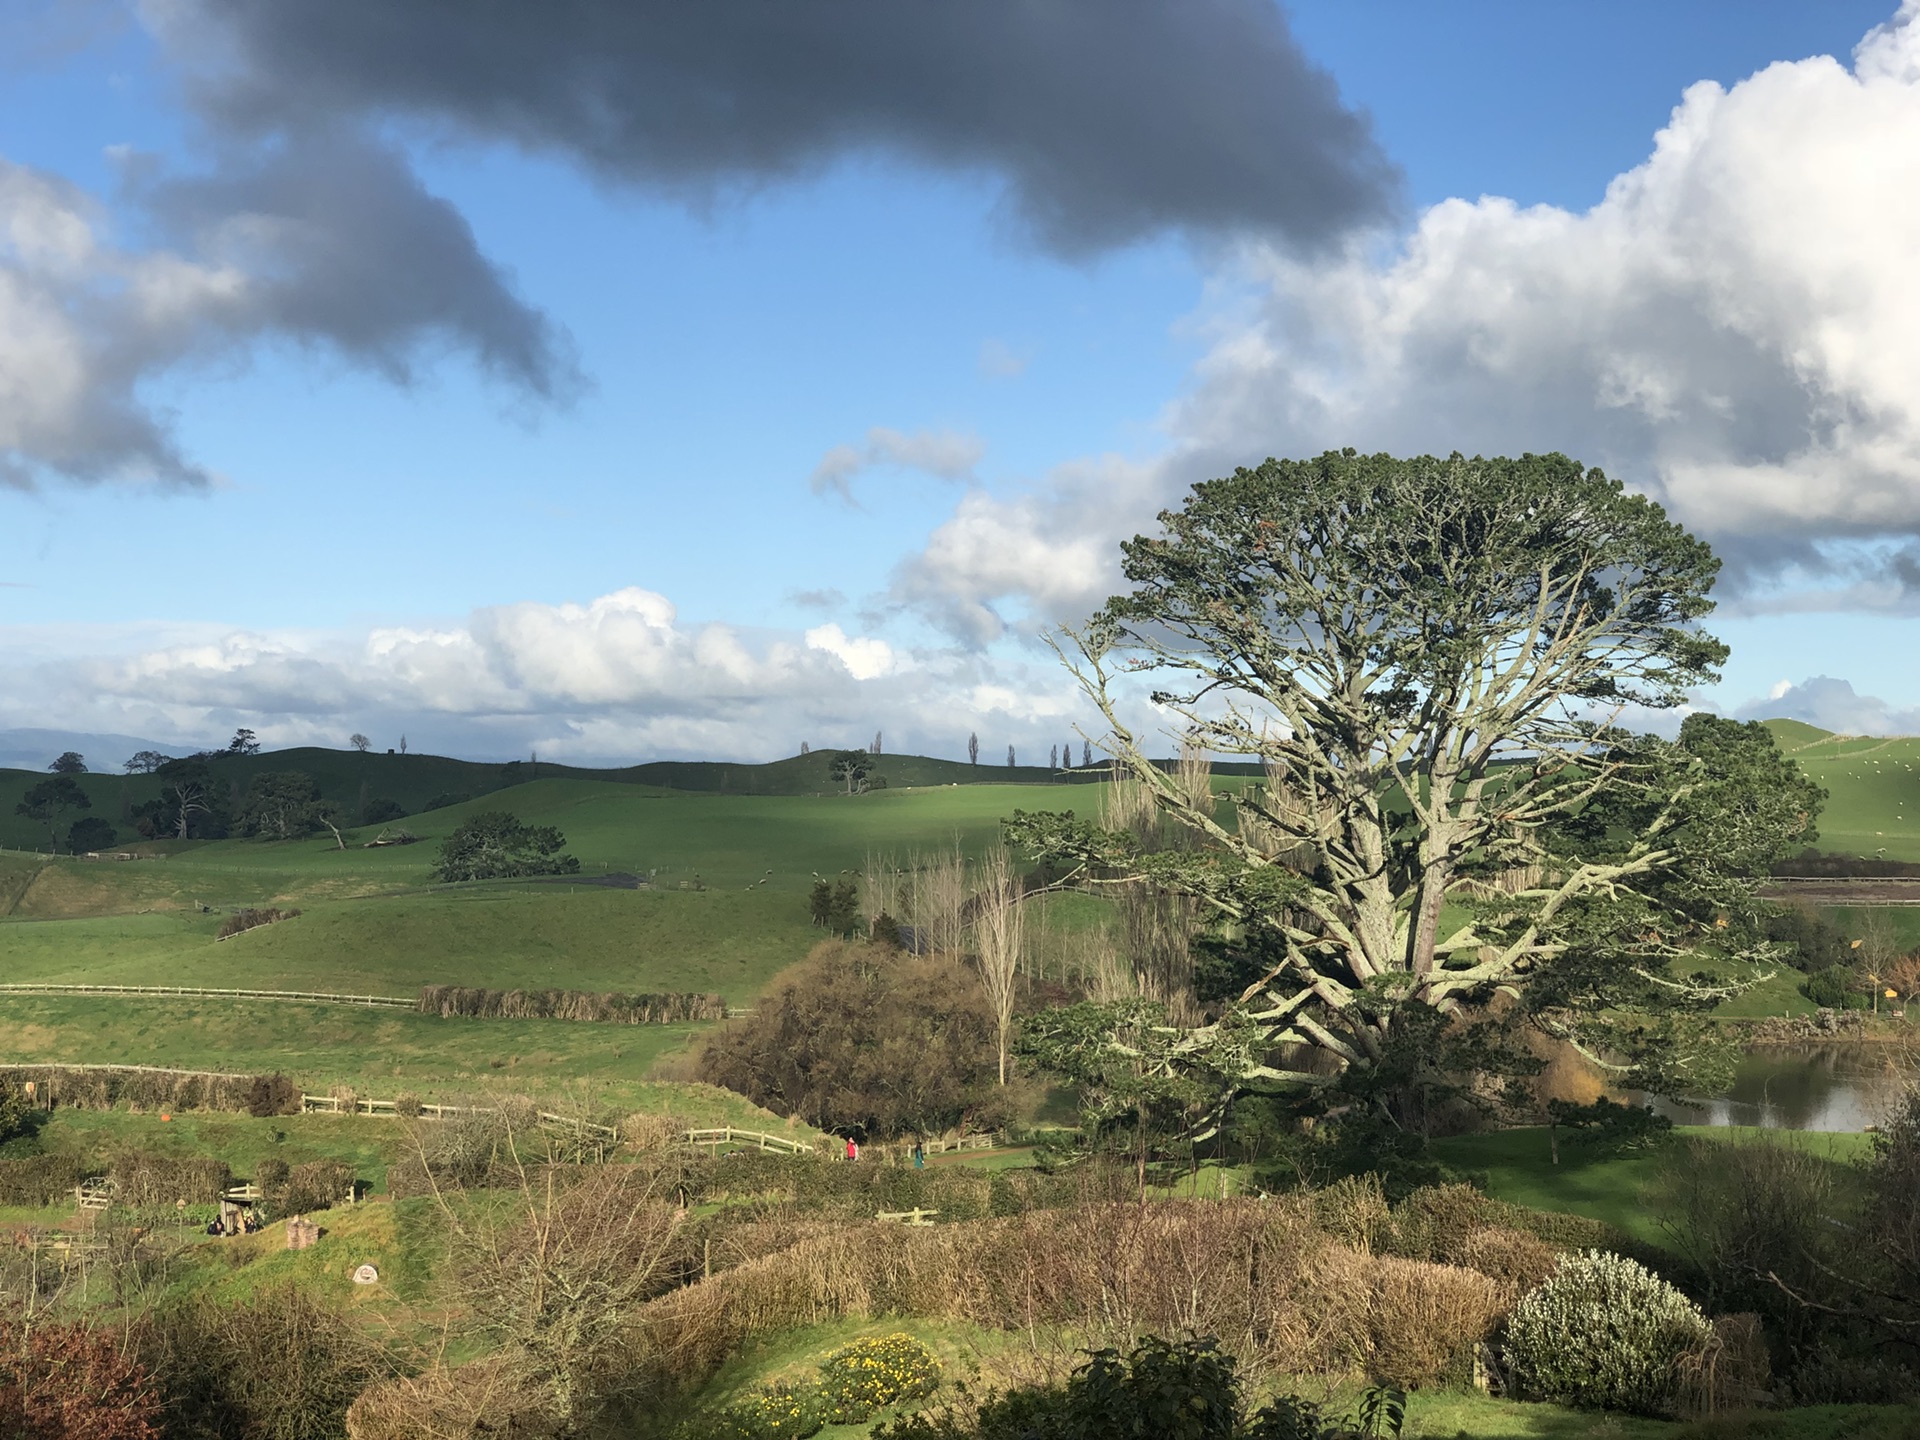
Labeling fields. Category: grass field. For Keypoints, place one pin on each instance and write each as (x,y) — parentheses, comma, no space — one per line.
(372,921)
(747,841)
(1517,1166)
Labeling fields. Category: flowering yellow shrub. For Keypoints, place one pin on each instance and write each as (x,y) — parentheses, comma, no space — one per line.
(779,1412)
(872,1374)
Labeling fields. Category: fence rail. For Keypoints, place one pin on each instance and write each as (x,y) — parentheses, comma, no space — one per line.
(322,997)
(726,1135)
(335,1105)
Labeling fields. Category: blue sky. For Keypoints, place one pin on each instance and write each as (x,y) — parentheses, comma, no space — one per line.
(351,396)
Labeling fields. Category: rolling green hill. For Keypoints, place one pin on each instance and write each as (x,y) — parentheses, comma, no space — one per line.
(415,782)
(1873,788)
(372,921)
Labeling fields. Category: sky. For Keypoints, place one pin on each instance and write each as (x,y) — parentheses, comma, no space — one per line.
(621,381)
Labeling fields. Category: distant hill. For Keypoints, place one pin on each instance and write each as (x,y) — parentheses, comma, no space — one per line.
(36,749)
(417,783)
(1793,734)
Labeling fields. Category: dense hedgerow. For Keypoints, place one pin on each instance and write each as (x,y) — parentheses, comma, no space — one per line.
(611,1008)
(1604,1333)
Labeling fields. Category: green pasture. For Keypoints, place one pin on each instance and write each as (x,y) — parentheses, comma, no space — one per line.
(380,1052)
(1873,789)
(1620,1189)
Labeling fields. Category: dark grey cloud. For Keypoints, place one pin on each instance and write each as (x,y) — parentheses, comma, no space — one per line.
(1107,119)
(322,238)
(342,243)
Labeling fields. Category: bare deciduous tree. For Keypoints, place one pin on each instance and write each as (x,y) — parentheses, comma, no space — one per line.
(557,1268)
(999,929)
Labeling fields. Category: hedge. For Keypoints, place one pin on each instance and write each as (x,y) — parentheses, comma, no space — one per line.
(39,1179)
(613,1008)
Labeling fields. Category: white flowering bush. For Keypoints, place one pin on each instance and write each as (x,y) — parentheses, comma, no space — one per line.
(1603,1332)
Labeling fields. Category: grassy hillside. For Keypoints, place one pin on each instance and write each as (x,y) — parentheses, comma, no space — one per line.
(350,780)
(373,921)
(1873,788)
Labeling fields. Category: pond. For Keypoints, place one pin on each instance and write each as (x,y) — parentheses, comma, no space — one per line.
(1834,1086)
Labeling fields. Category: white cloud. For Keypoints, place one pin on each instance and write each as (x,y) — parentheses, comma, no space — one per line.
(945,454)
(620,677)
(866,658)
(1732,329)
(1832,705)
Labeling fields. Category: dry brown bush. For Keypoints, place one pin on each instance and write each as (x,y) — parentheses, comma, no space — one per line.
(488,1397)
(1424,1320)
(1514,1256)
(1730,1370)
(1260,1275)
(641,1131)
(144,1180)
(611,1008)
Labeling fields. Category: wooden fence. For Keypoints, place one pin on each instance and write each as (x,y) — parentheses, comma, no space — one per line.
(335,1105)
(321,997)
(727,1135)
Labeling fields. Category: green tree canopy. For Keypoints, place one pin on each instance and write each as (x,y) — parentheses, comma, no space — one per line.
(50,800)
(852,767)
(1431,658)
(281,805)
(90,832)
(496,845)
(192,804)
(69,762)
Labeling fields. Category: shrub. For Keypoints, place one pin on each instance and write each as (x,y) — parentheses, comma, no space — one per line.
(1170,1390)
(272,1095)
(66,1380)
(249,918)
(447,1001)
(778,1412)
(486,1397)
(143,1180)
(316,1185)
(864,1039)
(1520,1259)
(102,1088)
(1603,1333)
(875,1374)
(1829,988)
(1740,1212)
(39,1179)
(280,1364)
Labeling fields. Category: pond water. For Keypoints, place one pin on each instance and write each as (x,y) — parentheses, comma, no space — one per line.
(1806,1087)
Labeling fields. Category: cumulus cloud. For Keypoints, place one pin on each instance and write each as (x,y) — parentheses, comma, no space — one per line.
(1106,121)
(941,453)
(330,241)
(1730,329)
(866,657)
(1832,705)
(620,677)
